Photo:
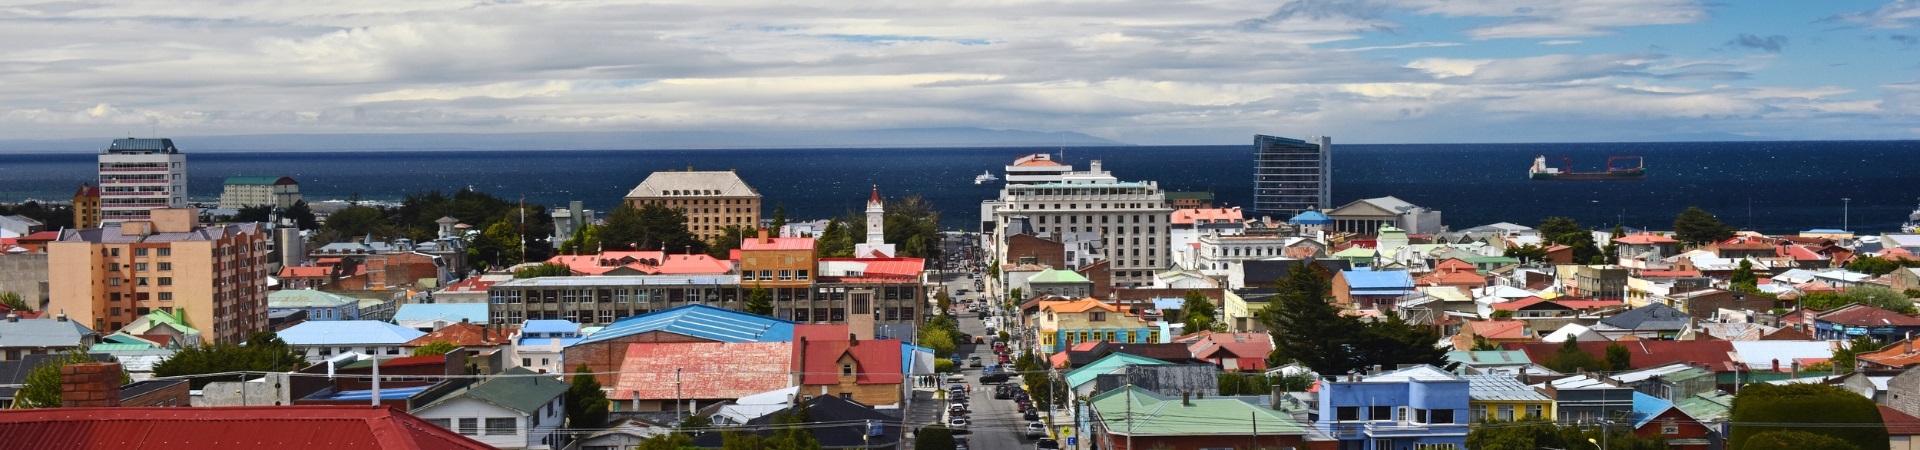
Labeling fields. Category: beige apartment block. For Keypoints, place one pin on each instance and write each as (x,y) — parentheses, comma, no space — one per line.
(712,200)
(107,277)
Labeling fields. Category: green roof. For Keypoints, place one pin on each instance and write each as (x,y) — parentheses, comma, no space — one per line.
(1159,415)
(1057,276)
(177,320)
(1354,252)
(308,298)
(1107,365)
(517,389)
(110,347)
(1709,407)
(1688,374)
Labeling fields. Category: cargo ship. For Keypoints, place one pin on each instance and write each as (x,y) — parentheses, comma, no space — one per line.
(1540,171)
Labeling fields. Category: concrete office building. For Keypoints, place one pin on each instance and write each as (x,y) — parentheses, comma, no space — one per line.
(140,175)
(713,200)
(107,277)
(1130,217)
(1291,175)
(241,192)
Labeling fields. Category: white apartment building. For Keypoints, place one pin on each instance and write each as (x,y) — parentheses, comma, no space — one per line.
(1130,217)
(138,176)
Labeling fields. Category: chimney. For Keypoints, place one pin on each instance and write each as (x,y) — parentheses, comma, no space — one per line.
(1776,364)
(1186,399)
(90,385)
(853,339)
(764,239)
(62,316)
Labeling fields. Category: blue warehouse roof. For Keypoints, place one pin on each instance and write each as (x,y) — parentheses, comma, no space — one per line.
(1378,279)
(700,321)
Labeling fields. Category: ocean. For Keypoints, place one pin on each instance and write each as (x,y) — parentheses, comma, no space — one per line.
(1767,186)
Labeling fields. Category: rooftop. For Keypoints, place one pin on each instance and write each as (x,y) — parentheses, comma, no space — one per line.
(450,312)
(1501,388)
(693,184)
(700,321)
(308,298)
(1160,415)
(702,370)
(219,428)
(348,332)
(516,389)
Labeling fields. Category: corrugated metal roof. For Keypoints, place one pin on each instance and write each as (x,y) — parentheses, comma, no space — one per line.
(621,280)
(1157,415)
(700,321)
(702,370)
(221,428)
(139,145)
(1107,365)
(1378,279)
(549,326)
(307,298)
(693,184)
(42,333)
(516,390)
(348,332)
(454,312)
(1501,388)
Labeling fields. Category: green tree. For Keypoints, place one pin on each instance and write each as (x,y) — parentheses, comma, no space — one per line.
(499,245)
(779,217)
(649,227)
(1306,327)
(1796,440)
(585,240)
(1612,250)
(257,213)
(586,404)
(1559,226)
(1743,278)
(940,340)
(544,270)
(722,245)
(1842,414)
(1867,294)
(302,215)
(695,423)
(264,352)
(42,387)
(913,226)
(358,220)
(933,437)
(13,301)
(834,241)
(1527,253)
(1570,358)
(434,348)
(1846,359)
(1198,312)
(1533,433)
(1872,265)
(943,365)
(669,441)
(1393,342)
(759,301)
(942,301)
(1696,226)
(1618,358)
(1480,343)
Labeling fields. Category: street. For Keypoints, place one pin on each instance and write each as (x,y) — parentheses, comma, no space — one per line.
(995,423)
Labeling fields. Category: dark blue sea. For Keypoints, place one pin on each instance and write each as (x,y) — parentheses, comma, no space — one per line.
(1768,186)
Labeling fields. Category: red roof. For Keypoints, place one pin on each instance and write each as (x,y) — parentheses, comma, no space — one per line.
(1646,238)
(1587,305)
(774,243)
(305,272)
(1668,273)
(650,262)
(47,236)
(1899,423)
(1209,215)
(1717,355)
(1251,349)
(1798,253)
(1038,163)
(232,427)
(884,270)
(702,370)
(1865,315)
(466,334)
(876,361)
(1499,329)
(1516,305)
(471,284)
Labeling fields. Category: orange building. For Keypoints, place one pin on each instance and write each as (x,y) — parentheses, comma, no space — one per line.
(215,275)
(86,207)
(712,200)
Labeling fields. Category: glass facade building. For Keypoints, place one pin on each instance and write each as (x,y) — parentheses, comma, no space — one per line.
(1291,175)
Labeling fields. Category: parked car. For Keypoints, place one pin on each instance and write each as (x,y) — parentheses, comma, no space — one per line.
(996,378)
(957,423)
(1036,430)
(1046,444)
(1030,415)
(975,362)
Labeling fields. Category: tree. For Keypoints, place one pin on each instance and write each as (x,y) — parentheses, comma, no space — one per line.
(1527,253)
(1197,313)
(1763,408)
(264,352)
(586,404)
(942,301)
(695,423)
(1743,278)
(1570,358)
(302,215)
(1480,343)
(1618,358)
(1796,440)
(585,239)
(649,227)
(722,245)
(256,213)
(13,301)
(670,441)
(1872,265)
(1306,327)
(779,217)
(1559,226)
(938,339)
(434,348)
(914,227)
(759,301)
(42,387)
(1845,360)
(933,437)
(1696,226)
(358,220)
(498,245)
(834,241)
(1867,294)
(544,270)
(1533,433)
(1612,250)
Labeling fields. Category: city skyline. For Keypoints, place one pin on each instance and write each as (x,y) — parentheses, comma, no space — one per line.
(1154,73)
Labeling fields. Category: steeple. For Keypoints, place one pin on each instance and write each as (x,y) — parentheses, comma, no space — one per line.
(876,244)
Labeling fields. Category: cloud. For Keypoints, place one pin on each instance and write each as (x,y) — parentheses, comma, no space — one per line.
(1771,44)
(1563,18)
(1559,42)
(1401,46)
(1895,14)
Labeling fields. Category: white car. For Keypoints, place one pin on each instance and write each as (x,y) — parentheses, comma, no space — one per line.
(1036,430)
(957,423)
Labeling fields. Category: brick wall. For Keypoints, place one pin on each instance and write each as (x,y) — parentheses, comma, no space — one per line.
(90,385)
(1021,248)
(176,393)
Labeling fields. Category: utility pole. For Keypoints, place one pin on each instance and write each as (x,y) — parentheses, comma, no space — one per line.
(1846,214)
(677,405)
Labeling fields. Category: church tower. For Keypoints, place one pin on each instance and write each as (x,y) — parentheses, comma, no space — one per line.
(876,245)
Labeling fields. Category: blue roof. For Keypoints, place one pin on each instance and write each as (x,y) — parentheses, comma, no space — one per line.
(348,332)
(1378,279)
(1169,303)
(906,356)
(367,394)
(549,326)
(453,312)
(1645,407)
(700,321)
(1310,218)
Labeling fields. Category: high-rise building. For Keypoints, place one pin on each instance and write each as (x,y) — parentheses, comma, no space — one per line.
(1291,175)
(712,200)
(1131,219)
(216,276)
(86,207)
(241,192)
(140,175)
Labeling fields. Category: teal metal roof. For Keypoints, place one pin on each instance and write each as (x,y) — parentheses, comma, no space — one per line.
(517,389)
(1107,365)
(1153,414)
(1057,276)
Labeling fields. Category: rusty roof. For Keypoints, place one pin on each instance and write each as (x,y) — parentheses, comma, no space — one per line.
(216,428)
(466,334)
(702,370)
(1866,315)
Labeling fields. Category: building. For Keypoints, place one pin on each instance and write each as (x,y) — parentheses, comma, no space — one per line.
(320,341)
(106,277)
(1037,168)
(1131,219)
(1414,407)
(427,317)
(1291,175)
(1864,320)
(318,305)
(140,175)
(539,345)
(278,192)
(600,300)
(834,422)
(25,274)
(1369,216)
(1131,418)
(712,200)
(876,245)
(568,220)
(607,350)
(515,410)
(1063,283)
(1371,289)
(832,363)
(1061,325)
(21,337)
(229,428)
(86,207)
(1503,398)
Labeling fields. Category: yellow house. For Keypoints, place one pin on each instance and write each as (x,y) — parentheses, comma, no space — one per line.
(1501,398)
(1061,325)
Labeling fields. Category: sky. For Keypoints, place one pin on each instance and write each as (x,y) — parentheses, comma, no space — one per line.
(1159,72)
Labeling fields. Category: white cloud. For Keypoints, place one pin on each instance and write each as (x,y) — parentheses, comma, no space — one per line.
(1560,42)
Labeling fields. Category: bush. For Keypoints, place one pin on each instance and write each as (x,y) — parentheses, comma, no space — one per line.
(1762,410)
(1796,440)
(944,365)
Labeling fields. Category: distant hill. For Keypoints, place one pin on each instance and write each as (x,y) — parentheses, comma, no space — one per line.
(631,140)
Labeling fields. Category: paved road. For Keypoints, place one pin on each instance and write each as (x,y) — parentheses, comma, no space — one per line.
(996,425)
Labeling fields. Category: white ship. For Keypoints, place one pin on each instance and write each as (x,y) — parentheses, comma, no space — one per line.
(985,176)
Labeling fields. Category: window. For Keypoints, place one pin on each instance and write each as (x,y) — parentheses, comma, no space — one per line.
(166,266)
(1479,413)
(846,370)
(166,281)
(142,267)
(801,275)
(524,362)
(786,275)
(1439,416)
(1536,411)
(1346,413)
(1380,413)
(442,423)
(1099,317)
(1669,428)
(501,425)
(1506,413)
(469,426)
(166,296)
(165,251)
(1421,446)
(139,252)
(140,281)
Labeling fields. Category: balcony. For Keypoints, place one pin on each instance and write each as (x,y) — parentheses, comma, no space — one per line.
(1412,429)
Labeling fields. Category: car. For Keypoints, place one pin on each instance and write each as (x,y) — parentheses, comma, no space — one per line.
(1046,444)
(956,378)
(966,337)
(1030,415)
(957,423)
(1002,394)
(1035,429)
(995,378)
(974,361)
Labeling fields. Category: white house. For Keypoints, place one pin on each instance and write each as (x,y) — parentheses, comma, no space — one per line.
(517,409)
(539,344)
(323,339)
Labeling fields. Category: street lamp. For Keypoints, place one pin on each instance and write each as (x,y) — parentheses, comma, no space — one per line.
(1846,214)
(1596,443)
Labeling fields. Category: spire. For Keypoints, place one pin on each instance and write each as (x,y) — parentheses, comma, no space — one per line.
(876,196)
